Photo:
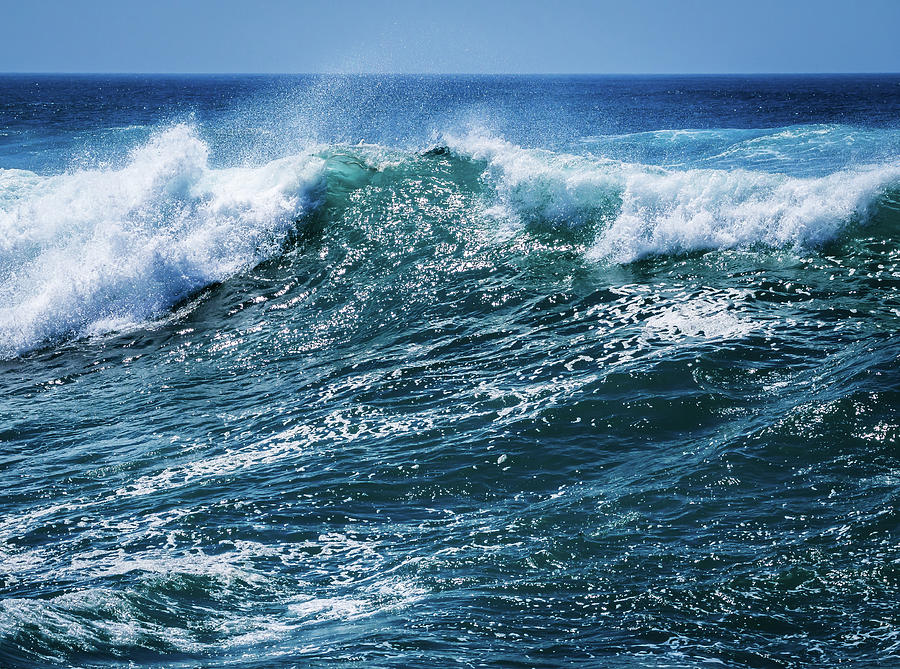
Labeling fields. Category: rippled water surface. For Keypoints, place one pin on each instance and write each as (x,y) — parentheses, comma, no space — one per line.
(489,371)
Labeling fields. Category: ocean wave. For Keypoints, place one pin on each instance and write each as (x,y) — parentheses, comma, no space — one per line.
(93,251)
(96,250)
(642,210)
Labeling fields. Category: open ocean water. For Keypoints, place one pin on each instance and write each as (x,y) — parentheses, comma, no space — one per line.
(381,371)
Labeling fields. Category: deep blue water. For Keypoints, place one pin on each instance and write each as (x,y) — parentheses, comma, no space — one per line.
(479,371)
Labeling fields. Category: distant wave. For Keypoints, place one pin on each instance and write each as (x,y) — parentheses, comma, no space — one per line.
(802,150)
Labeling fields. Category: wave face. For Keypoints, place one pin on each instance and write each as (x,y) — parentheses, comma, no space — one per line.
(97,250)
(396,371)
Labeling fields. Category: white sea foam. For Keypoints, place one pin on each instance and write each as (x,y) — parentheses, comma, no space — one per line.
(95,250)
(643,210)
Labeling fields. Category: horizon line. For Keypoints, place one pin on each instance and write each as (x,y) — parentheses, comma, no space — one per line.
(448,74)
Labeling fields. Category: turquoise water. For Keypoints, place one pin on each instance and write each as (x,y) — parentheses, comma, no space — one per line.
(496,371)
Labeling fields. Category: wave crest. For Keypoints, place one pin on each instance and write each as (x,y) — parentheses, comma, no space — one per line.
(95,250)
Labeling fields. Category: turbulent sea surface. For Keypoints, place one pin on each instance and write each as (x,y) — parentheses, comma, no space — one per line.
(458,371)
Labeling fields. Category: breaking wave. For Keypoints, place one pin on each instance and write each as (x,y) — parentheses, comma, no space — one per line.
(93,251)
(642,210)
(96,250)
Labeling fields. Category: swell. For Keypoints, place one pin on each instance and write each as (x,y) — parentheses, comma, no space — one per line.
(92,251)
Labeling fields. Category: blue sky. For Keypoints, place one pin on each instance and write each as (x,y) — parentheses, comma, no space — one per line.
(624,36)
